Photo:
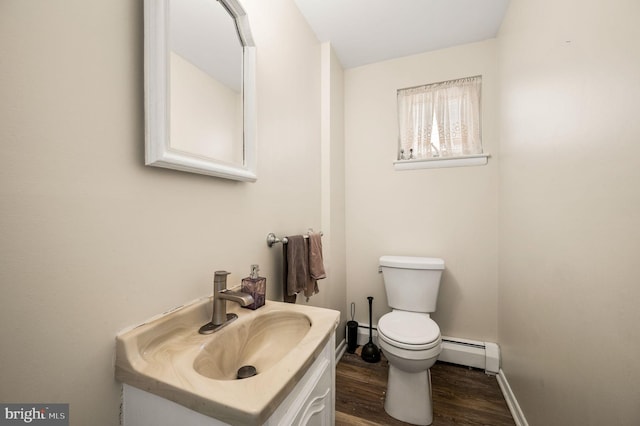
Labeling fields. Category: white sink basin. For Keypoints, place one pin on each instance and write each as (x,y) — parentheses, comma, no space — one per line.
(168,357)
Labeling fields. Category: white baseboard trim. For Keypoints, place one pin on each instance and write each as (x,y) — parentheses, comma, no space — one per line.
(340,349)
(512,402)
(363,334)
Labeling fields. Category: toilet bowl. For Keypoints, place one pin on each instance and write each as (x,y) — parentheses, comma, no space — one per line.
(408,337)
(411,342)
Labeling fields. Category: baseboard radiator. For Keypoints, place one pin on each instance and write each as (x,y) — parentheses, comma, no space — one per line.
(470,353)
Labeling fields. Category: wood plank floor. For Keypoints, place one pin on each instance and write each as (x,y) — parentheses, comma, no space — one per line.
(461,396)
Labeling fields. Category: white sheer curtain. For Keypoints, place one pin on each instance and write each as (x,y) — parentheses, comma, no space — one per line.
(452,108)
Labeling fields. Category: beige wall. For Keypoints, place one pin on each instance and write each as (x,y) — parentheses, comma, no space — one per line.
(92,240)
(449,213)
(332,181)
(569,322)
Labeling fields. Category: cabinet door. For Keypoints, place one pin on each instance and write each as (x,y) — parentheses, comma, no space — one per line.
(312,400)
(317,408)
(317,412)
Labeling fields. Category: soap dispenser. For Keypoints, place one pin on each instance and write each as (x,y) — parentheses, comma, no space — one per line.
(256,286)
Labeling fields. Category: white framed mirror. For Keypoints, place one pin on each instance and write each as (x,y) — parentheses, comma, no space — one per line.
(200,100)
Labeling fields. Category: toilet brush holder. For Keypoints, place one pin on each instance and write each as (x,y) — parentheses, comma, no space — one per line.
(352,331)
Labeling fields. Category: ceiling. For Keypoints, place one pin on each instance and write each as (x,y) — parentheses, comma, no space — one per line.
(367,31)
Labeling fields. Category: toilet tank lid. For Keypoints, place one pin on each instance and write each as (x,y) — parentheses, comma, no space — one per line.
(412,262)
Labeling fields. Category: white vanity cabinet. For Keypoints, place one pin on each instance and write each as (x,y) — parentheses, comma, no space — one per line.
(311,402)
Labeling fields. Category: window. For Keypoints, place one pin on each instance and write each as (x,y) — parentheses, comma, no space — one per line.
(440,121)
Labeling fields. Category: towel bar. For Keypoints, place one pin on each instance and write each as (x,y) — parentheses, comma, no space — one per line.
(272,239)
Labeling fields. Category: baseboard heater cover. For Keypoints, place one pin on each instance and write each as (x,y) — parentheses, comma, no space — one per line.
(471,353)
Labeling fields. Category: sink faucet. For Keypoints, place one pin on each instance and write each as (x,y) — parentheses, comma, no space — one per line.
(221,294)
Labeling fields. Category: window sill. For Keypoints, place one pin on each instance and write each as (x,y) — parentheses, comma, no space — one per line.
(435,163)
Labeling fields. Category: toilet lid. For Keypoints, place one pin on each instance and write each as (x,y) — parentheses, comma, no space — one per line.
(409,328)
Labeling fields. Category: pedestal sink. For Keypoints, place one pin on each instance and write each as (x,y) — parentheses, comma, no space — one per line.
(167,357)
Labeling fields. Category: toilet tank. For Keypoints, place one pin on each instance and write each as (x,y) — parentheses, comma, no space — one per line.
(412,283)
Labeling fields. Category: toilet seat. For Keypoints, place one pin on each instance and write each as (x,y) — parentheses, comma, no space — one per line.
(409,330)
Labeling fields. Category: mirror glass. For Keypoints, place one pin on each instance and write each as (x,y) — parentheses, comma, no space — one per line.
(200,87)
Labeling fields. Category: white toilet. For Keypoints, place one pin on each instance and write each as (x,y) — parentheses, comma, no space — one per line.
(408,337)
